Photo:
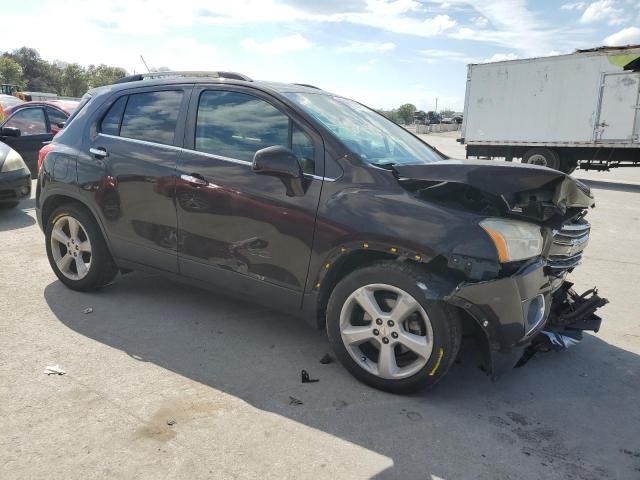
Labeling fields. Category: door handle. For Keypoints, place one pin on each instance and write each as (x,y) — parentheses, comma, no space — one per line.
(98,152)
(194,179)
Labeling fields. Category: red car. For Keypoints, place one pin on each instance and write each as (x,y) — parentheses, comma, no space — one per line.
(28,125)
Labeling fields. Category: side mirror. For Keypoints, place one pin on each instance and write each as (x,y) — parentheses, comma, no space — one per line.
(10,132)
(278,161)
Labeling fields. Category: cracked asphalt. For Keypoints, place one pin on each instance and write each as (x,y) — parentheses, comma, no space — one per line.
(165,381)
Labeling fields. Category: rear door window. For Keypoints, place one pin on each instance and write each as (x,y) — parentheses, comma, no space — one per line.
(152,116)
(112,120)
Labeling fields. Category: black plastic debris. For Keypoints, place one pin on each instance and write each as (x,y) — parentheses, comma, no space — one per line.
(295,401)
(326,359)
(306,378)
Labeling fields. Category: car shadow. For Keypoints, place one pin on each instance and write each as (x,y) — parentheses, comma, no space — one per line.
(12,218)
(531,421)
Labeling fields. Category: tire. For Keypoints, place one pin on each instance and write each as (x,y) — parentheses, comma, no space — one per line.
(66,251)
(543,157)
(432,326)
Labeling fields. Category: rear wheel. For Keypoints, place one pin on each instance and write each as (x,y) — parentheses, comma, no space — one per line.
(76,249)
(386,333)
(543,157)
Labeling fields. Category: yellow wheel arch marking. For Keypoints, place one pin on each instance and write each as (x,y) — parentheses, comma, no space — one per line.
(437,365)
(59,216)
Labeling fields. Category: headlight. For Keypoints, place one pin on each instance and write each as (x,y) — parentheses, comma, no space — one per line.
(13,161)
(514,240)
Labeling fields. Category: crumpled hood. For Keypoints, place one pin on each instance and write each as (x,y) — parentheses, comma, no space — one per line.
(534,192)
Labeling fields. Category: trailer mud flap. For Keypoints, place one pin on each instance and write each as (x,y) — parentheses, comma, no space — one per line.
(570,315)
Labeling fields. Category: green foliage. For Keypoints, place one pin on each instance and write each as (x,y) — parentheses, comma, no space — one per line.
(36,74)
(405,112)
(10,72)
(447,113)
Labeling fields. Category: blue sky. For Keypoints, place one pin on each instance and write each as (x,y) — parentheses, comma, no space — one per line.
(380,52)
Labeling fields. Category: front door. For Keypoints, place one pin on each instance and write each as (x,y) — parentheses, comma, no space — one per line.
(239,229)
(619,108)
(34,131)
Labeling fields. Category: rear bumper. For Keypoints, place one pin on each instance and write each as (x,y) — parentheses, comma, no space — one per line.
(15,185)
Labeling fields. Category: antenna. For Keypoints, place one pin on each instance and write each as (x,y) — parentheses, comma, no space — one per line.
(145,64)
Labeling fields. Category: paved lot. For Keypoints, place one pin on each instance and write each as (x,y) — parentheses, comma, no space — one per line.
(222,372)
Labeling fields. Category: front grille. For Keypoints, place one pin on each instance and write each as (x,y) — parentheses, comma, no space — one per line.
(568,245)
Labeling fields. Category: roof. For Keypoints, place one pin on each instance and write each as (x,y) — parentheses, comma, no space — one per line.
(605,48)
(67,106)
(173,78)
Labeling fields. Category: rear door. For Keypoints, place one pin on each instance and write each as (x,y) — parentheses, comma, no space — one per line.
(618,116)
(138,146)
(238,229)
(34,131)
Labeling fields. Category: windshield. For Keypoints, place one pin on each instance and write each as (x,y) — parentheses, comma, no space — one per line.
(373,137)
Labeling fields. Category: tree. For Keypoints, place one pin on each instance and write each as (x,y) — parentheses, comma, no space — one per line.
(10,71)
(74,81)
(103,75)
(35,70)
(405,112)
(447,113)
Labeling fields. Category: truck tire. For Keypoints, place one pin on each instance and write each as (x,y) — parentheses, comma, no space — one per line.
(386,333)
(542,156)
(76,249)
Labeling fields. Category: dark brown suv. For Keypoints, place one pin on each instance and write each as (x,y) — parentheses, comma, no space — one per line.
(316,205)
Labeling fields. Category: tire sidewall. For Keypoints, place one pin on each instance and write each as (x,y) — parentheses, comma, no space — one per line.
(444,349)
(552,158)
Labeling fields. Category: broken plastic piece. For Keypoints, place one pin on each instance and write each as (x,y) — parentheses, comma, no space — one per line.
(306,378)
(171,422)
(88,310)
(54,370)
(295,401)
(326,359)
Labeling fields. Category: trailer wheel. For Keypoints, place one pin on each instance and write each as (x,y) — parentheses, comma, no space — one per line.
(542,156)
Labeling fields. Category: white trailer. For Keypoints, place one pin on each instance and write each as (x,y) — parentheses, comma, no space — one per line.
(557,111)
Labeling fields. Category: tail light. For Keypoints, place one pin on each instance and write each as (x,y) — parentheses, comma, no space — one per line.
(43,153)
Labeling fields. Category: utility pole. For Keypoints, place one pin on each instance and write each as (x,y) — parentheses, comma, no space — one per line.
(436,110)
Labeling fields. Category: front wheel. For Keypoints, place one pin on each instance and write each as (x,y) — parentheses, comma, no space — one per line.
(385,331)
(76,249)
(544,157)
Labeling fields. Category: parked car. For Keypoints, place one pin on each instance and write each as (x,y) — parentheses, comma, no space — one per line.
(316,205)
(30,124)
(15,180)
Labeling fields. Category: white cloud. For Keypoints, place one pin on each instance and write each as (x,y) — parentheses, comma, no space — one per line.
(434,55)
(626,36)
(604,10)
(287,44)
(500,57)
(579,6)
(480,22)
(367,47)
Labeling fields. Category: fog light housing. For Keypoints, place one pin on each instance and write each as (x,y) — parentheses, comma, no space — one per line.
(24,190)
(533,310)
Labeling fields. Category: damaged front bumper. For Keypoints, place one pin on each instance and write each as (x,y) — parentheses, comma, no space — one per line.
(527,312)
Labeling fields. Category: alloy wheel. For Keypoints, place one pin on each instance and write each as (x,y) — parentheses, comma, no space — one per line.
(386,331)
(71,248)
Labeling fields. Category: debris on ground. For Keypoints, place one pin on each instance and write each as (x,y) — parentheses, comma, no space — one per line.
(306,378)
(171,422)
(54,370)
(295,401)
(326,359)
(88,310)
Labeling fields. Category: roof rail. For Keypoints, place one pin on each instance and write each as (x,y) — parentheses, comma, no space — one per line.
(307,85)
(184,74)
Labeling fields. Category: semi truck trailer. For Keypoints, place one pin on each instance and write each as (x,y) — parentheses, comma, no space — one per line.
(580,109)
